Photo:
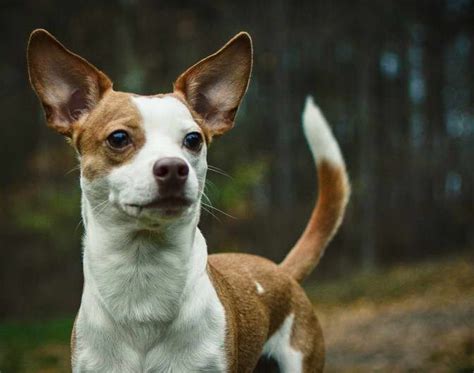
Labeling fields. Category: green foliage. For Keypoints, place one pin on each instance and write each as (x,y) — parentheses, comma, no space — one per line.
(31,333)
(233,193)
(51,213)
(30,347)
(47,209)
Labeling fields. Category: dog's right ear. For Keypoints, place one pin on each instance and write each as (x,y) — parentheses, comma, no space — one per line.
(67,85)
(215,86)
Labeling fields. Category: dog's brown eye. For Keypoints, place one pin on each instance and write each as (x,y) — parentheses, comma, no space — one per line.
(193,141)
(118,139)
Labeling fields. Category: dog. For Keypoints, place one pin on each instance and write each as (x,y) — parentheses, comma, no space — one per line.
(153,300)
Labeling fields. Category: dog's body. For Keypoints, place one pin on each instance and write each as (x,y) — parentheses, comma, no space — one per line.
(153,301)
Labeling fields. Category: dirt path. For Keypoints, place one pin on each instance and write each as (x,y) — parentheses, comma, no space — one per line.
(405,336)
(430,330)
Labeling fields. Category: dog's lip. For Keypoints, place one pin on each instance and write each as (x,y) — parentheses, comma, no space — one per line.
(171,202)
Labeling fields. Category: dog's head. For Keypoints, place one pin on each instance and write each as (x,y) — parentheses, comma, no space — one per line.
(143,158)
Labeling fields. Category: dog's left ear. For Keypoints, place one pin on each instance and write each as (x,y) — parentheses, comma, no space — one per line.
(214,87)
(67,85)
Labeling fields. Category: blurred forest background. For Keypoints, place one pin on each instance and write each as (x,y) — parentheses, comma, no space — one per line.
(394,78)
(396,81)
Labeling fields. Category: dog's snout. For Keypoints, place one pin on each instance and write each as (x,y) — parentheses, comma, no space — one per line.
(170,172)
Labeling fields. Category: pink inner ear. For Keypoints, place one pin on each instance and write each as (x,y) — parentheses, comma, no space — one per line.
(214,87)
(70,110)
(202,105)
(76,105)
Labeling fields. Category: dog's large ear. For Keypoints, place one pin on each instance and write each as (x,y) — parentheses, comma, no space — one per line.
(214,87)
(67,85)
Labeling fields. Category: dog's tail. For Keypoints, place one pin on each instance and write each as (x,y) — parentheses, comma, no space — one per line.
(333,196)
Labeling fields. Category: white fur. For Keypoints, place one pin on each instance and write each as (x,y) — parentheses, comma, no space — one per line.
(319,135)
(260,289)
(148,304)
(279,348)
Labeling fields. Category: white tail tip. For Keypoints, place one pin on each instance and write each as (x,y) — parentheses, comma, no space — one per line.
(319,135)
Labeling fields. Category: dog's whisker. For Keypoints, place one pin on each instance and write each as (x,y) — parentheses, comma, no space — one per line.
(81,221)
(216,168)
(210,186)
(102,206)
(99,205)
(218,210)
(218,171)
(103,209)
(209,205)
(75,168)
(207,198)
(210,212)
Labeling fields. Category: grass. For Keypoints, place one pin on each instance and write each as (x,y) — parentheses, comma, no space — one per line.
(440,279)
(35,346)
(405,319)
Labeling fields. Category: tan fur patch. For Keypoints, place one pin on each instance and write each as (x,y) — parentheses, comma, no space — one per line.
(114,112)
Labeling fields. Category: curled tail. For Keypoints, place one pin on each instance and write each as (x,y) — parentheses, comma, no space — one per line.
(334,191)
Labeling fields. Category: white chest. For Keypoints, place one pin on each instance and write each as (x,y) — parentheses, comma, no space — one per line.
(194,341)
(153,312)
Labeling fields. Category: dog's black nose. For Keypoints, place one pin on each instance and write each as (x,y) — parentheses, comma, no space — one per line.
(170,173)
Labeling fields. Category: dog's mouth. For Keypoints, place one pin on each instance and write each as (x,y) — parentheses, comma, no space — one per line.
(167,203)
(167,206)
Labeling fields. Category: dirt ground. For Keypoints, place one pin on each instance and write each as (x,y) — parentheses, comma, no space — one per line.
(426,326)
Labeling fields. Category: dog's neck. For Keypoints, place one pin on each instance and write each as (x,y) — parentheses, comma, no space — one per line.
(141,275)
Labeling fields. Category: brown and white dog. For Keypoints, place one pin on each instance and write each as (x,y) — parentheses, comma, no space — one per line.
(153,300)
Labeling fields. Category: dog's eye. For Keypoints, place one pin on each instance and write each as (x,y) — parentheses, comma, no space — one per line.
(118,139)
(193,141)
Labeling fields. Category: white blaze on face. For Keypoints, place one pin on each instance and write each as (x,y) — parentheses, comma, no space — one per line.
(166,121)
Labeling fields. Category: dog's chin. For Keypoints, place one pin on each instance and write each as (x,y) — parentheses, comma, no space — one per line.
(161,210)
